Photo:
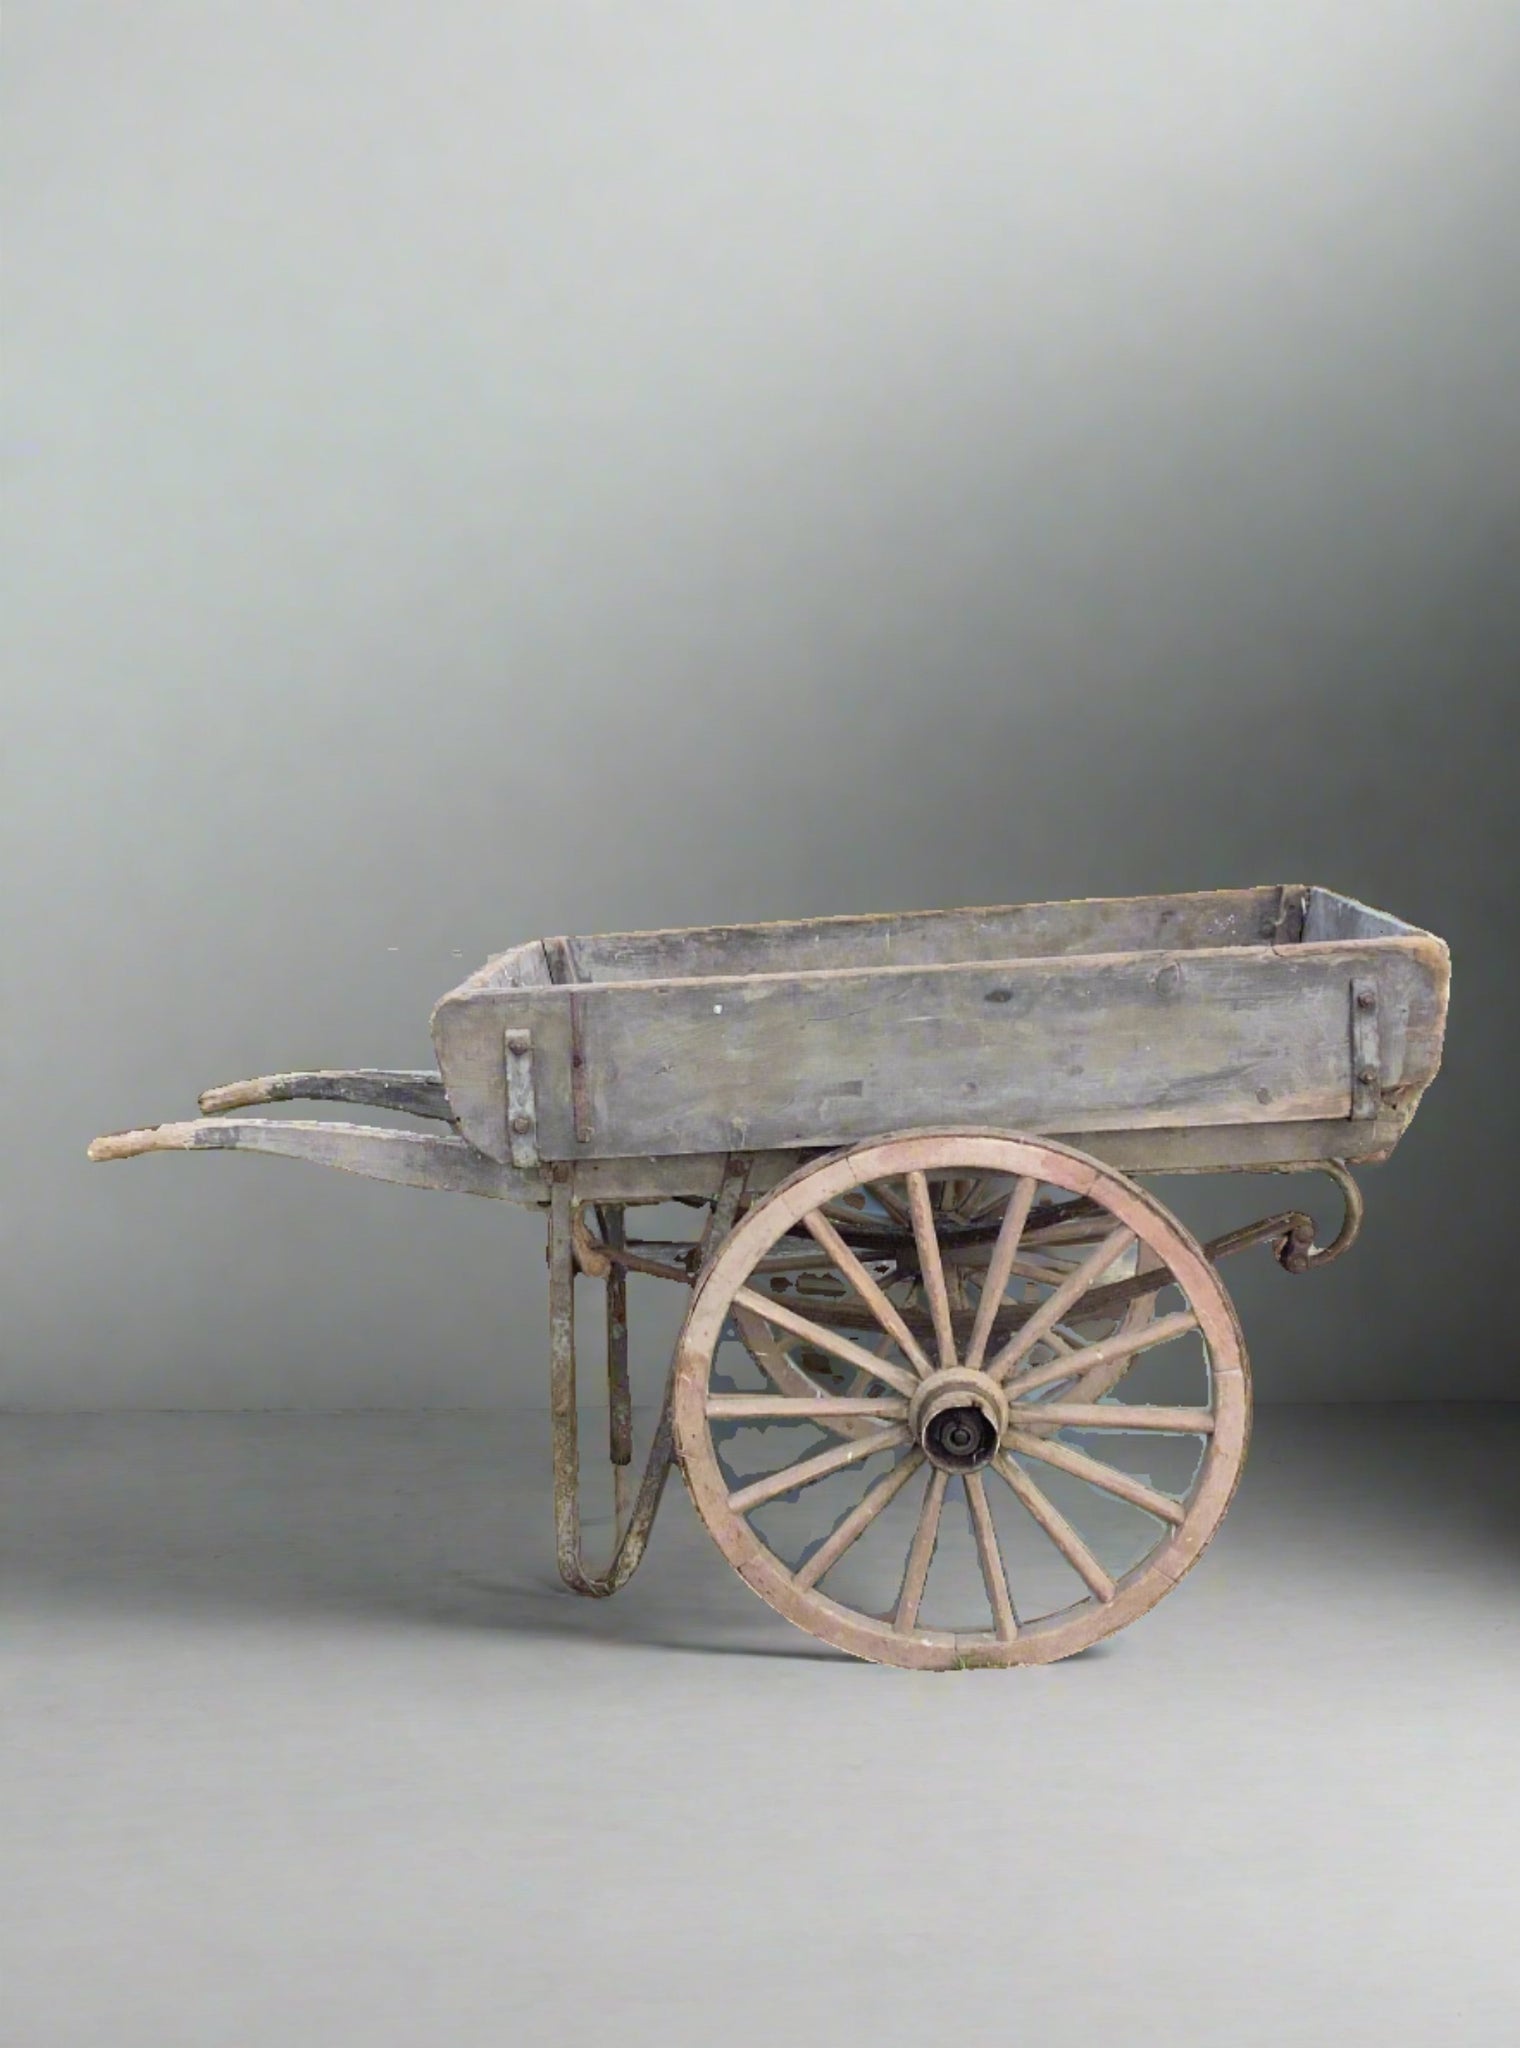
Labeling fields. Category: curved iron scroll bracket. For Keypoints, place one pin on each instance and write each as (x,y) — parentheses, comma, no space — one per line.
(1298,1253)
(1291,1233)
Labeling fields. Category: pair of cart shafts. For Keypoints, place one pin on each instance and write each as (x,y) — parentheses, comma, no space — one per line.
(925,1268)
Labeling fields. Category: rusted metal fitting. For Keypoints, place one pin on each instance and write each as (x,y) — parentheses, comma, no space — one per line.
(1295,1248)
(590,1256)
(1298,1253)
(958,1418)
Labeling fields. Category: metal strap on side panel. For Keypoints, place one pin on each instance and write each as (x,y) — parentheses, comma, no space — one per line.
(1366,1051)
(522,1103)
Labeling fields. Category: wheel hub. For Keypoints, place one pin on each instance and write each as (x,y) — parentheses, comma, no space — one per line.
(958,1418)
(961,1439)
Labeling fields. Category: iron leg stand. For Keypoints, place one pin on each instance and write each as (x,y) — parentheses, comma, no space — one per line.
(631,1525)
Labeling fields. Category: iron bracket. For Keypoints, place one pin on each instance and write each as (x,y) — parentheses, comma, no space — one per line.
(522,1103)
(1366,1053)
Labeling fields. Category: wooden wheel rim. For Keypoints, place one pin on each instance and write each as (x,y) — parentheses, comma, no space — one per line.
(1157,1231)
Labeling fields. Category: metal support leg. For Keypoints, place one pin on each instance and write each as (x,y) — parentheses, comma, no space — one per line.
(619,1387)
(632,1537)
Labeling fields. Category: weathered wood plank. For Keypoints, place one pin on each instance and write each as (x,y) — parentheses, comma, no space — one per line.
(1072,1046)
(931,938)
(524,966)
(1218,1148)
(412,1093)
(417,1159)
(1328,916)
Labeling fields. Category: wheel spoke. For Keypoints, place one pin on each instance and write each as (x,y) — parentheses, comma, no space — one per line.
(787,1318)
(1053,1309)
(994,1576)
(870,1291)
(1046,1271)
(1115,1415)
(1124,1346)
(921,1555)
(805,1408)
(808,1470)
(1096,1473)
(999,1268)
(794,1262)
(890,1203)
(984,1198)
(957,1292)
(1068,1235)
(784,1374)
(858,1520)
(1140,1315)
(1044,1267)
(930,1266)
(1056,1527)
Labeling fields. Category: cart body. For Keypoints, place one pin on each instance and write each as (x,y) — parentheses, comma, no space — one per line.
(1250,1027)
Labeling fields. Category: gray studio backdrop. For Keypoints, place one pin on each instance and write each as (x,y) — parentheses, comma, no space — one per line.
(481,470)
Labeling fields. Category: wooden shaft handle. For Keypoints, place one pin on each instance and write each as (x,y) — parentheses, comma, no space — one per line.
(128,1144)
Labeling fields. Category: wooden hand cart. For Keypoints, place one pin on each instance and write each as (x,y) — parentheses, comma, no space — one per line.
(919,1262)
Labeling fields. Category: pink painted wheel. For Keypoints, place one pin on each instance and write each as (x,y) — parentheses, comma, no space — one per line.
(897,1382)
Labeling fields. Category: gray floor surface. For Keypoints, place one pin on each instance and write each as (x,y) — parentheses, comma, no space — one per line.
(304,1745)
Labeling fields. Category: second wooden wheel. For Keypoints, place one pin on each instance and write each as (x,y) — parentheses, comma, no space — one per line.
(898,1377)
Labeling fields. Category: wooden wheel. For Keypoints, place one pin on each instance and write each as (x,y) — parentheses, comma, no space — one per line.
(924,1417)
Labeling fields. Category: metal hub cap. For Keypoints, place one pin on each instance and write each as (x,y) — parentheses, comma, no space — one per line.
(961,1439)
(958,1418)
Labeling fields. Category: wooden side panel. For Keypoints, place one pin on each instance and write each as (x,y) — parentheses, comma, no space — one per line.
(470,1027)
(1230,1036)
(525,966)
(1206,1148)
(1071,1045)
(928,938)
(1328,916)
